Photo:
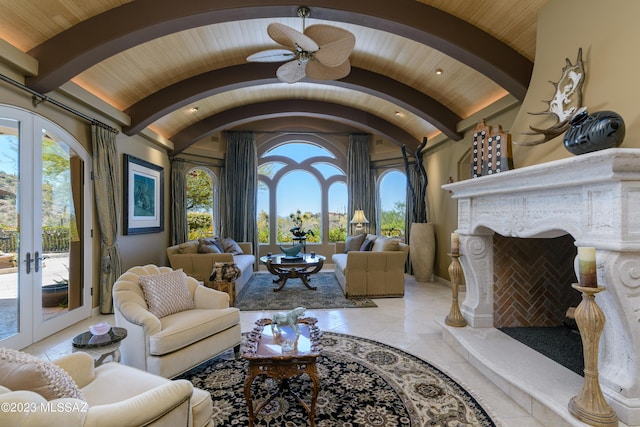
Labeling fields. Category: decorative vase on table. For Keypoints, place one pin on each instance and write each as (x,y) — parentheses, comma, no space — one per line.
(422,244)
(593,132)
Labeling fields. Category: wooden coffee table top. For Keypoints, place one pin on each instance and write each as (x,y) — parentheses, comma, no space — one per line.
(263,343)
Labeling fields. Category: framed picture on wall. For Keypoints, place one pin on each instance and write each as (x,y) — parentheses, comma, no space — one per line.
(143,196)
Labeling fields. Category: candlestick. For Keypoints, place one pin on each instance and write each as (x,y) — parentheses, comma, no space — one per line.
(455,243)
(589,405)
(455,318)
(587,267)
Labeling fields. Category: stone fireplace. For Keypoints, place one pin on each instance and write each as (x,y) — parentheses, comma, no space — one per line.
(593,199)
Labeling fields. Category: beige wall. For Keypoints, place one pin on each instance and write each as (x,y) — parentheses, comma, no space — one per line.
(607,33)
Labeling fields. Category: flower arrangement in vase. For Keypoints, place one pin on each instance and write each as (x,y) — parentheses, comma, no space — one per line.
(298,219)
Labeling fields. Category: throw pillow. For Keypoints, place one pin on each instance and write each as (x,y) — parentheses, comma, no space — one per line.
(22,371)
(167,293)
(353,243)
(230,246)
(188,248)
(210,246)
(367,245)
(382,244)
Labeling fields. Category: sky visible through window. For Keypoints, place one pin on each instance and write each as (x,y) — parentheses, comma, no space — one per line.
(303,191)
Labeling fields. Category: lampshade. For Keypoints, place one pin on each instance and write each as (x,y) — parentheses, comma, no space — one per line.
(359,218)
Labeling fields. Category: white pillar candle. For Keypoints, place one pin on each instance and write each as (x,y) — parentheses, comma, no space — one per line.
(587,267)
(455,243)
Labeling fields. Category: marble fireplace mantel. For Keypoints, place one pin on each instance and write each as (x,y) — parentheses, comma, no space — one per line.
(595,198)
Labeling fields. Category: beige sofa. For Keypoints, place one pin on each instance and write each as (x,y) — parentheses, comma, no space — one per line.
(112,395)
(375,273)
(200,265)
(168,345)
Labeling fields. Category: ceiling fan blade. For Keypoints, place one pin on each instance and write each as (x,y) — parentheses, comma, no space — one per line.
(291,38)
(272,55)
(318,71)
(335,44)
(292,71)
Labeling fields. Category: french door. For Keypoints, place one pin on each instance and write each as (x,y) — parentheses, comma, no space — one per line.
(45,221)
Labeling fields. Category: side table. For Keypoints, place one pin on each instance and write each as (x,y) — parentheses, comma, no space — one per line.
(100,347)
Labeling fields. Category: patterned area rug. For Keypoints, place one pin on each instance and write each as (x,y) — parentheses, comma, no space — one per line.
(364,383)
(258,294)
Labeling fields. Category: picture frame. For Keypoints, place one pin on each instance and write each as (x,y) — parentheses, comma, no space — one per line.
(143,196)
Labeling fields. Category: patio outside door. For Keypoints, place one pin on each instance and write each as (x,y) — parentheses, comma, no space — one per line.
(44,244)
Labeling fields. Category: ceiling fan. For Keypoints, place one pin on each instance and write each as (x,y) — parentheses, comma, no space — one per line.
(320,52)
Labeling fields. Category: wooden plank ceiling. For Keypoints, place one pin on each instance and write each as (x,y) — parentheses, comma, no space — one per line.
(181,66)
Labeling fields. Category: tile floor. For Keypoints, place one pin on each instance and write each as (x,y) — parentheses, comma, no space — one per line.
(412,323)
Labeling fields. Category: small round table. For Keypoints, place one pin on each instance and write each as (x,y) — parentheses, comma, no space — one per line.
(100,346)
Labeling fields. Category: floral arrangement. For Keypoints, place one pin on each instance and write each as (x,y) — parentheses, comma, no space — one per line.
(298,219)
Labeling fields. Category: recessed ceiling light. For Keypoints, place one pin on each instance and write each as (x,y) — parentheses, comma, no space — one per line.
(398,114)
(194,109)
(439,71)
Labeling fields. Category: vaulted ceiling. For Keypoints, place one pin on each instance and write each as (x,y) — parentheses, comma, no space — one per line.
(179,68)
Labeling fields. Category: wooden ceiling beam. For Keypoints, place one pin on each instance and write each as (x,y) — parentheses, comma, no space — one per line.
(183,93)
(238,116)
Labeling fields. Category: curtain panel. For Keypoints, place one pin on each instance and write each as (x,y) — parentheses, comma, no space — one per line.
(179,232)
(107,190)
(239,184)
(361,184)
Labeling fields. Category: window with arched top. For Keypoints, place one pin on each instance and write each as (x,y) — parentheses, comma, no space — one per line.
(392,199)
(201,203)
(301,184)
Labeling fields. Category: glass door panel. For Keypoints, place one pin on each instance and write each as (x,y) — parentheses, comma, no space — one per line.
(61,290)
(9,164)
(61,274)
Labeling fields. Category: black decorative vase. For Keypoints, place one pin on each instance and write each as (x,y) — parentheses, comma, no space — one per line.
(593,132)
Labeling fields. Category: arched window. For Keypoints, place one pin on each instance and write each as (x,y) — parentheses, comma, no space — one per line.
(392,196)
(201,203)
(304,180)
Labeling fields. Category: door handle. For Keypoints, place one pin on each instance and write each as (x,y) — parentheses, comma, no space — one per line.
(28,261)
(37,258)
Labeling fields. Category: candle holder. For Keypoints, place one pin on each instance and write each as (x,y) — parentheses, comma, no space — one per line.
(455,318)
(589,405)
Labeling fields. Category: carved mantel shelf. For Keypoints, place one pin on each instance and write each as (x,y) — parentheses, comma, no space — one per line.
(595,198)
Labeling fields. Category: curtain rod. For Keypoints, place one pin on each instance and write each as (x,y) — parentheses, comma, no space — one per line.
(38,98)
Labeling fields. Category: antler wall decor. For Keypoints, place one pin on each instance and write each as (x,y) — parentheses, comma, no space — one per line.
(566,102)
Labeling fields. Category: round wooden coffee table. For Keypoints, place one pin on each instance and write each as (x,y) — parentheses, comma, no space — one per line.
(300,267)
(267,355)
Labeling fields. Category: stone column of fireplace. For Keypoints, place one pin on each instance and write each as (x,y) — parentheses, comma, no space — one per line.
(595,198)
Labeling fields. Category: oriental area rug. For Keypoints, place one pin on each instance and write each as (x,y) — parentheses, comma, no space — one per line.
(257,294)
(363,383)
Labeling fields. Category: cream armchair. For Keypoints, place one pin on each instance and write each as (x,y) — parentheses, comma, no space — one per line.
(172,344)
(114,395)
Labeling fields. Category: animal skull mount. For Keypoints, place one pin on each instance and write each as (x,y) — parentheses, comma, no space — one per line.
(565,104)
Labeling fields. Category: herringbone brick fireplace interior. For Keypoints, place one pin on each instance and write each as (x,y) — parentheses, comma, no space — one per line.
(533,280)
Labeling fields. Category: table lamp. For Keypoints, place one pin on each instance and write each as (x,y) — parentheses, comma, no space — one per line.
(359,219)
